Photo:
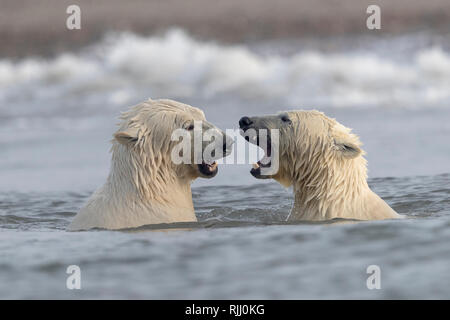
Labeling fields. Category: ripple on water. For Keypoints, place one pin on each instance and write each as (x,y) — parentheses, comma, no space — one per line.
(240,247)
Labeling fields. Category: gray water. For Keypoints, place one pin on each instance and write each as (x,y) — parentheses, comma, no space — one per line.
(57,117)
(240,248)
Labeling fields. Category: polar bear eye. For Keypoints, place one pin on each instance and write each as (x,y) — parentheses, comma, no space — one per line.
(190,127)
(286,119)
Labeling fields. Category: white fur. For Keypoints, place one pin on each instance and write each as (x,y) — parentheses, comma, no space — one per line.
(323,162)
(144,186)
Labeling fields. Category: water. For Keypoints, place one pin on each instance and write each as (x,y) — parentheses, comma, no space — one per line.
(57,116)
(241,248)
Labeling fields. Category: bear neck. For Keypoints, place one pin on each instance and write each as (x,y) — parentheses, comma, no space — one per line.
(148,190)
(324,191)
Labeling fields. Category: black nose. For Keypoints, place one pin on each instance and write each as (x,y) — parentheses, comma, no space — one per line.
(245,122)
(227,145)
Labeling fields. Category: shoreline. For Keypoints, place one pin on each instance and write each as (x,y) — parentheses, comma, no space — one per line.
(27,29)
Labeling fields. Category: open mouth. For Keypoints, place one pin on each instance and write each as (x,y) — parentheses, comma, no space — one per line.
(266,161)
(208,170)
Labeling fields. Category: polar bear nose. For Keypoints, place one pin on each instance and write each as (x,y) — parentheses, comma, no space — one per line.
(245,122)
(227,145)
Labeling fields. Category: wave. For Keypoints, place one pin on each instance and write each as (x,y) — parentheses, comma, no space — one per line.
(123,68)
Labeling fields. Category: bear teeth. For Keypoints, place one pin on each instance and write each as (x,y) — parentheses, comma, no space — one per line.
(213,165)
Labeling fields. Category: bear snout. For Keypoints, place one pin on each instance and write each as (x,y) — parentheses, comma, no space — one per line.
(245,122)
(227,145)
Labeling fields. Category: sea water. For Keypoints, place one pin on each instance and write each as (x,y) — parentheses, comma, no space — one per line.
(57,116)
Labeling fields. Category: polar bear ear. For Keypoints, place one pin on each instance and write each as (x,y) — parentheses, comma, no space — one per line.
(127,137)
(346,143)
(347,149)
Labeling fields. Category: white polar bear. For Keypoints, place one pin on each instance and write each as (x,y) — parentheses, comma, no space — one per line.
(323,162)
(145,185)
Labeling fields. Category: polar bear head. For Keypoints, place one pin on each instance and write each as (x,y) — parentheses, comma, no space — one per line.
(143,145)
(311,148)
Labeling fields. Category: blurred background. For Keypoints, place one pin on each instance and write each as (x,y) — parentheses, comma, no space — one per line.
(61,92)
(38,27)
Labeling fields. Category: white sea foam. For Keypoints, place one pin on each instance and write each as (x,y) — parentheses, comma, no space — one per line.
(123,68)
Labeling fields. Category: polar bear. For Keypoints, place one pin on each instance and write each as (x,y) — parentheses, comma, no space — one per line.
(145,185)
(323,162)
